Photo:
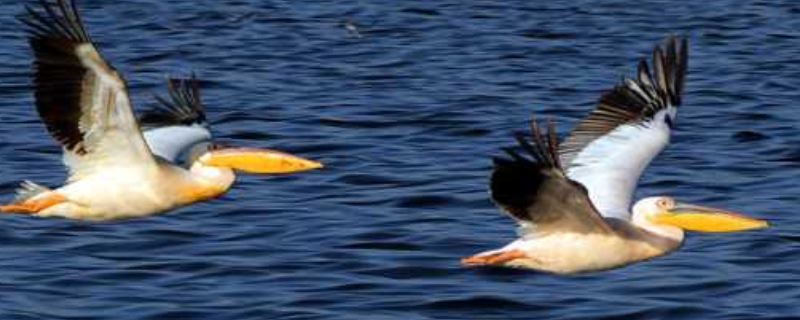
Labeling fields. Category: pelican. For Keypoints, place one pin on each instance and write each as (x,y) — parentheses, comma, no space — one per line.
(573,200)
(116,171)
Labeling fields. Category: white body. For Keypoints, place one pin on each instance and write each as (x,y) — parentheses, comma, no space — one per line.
(120,193)
(569,252)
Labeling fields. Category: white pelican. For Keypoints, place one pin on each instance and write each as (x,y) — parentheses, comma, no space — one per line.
(573,201)
(113,172)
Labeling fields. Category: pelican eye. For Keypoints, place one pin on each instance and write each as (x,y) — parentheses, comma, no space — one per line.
(215,146)
(665,203)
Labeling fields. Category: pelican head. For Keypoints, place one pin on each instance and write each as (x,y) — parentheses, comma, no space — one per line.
(665,211)
(213,166)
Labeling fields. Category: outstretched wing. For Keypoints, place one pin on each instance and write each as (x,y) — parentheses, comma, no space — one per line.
(536,192)
(80,97)
(179,123)
(608,151)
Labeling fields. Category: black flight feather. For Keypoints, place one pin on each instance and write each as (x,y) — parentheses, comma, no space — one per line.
(515,182)
(55,31)
(635,100)
(531,187)
(183,107)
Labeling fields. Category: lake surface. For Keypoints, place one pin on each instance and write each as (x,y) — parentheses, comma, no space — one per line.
(406,113)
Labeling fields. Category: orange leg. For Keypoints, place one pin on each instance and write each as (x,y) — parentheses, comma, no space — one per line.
(34,206)
(493,259)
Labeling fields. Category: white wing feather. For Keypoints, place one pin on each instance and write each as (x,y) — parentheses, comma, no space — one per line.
(610,166)
(608,151)
(80,97)
(170,142)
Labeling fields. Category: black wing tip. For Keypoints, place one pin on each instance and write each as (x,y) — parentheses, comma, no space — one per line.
(56,20)
(672,56)
(516,180)
(636,100)
(653,89)
(183,107)
(54,30)
(540,145)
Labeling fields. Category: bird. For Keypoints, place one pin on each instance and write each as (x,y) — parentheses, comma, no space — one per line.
(115,169)
(572,198)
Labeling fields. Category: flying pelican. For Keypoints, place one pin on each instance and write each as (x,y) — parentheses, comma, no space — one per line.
(572,201)
(114,173)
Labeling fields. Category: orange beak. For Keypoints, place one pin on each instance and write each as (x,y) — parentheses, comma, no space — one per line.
(705,219)
(258,161)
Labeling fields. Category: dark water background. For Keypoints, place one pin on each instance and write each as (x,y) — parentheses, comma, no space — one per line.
(406,117)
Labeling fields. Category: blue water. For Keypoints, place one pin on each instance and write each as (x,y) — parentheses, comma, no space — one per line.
(406,113)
